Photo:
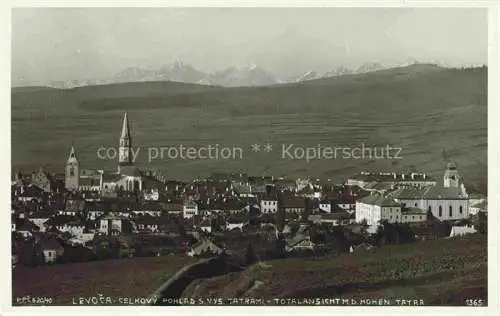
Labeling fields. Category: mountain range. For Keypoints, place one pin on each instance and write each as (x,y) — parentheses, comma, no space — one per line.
(251,75)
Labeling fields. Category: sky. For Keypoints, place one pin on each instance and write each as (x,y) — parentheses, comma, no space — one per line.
(51,44)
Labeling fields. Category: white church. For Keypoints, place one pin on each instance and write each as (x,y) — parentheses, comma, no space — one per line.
(446,201)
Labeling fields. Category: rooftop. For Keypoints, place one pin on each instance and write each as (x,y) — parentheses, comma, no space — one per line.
(442,193)
(413,211)
(379,200)
(392,177)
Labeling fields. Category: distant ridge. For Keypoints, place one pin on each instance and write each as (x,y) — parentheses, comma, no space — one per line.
(251,75)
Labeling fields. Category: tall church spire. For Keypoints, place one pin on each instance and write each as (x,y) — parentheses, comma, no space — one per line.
(125,127)
(125,155)
(72,155)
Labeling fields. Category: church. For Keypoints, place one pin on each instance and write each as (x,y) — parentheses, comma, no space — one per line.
(446,201)
(127,178)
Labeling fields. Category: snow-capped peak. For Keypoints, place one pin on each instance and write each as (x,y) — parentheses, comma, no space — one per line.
(308,75)
(177,64)
(252,66)
(341,70)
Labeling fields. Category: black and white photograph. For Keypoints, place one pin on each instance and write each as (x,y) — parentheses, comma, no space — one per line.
(249,156)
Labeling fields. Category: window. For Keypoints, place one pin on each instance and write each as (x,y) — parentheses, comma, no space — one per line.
(71,172)
(451,211)
(413,217)
(461,209)
(440,211)
(415,204)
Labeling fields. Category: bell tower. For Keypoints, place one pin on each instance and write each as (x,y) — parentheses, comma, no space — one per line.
(125,149)
(451,178)
(72,172)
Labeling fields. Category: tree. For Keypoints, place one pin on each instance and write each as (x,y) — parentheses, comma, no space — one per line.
(429,215)
(280,251)
(250,256)
(280,219)
(305,214)
(36,257)
(380,236)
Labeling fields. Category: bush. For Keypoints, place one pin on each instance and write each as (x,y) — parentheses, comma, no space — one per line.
(250,256)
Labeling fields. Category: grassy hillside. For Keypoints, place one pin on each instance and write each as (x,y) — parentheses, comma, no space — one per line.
(137,277)
(438,272)
(432,113)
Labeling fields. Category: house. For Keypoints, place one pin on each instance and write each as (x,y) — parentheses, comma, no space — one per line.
(19,211)
(294,204)
(412,215)
(151,194)
(364,179)
(42,180)
(225,206)
(325,206)
(95,209)
(149,208)
(151,187)
(26,228)
(347,196)
(479,206)
(90,180)
(114,225)
(300,184)
(190,209)
(81,239)
(204,247)
(73,207)
(235,222)
(462,230)
(174,206)
(205,226)
(66,223)
(13,220)
(153,224)
(337,218)
(51,248)
(375,208)
(300,243)
(269,204)
(30,193)
(309,192)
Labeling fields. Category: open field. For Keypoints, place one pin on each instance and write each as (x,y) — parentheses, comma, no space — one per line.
(432,113)
(136,277)
(442,272)
(437,272)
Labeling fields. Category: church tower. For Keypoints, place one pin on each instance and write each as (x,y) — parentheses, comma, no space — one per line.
(125,150)
(72,172)
(451,178)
